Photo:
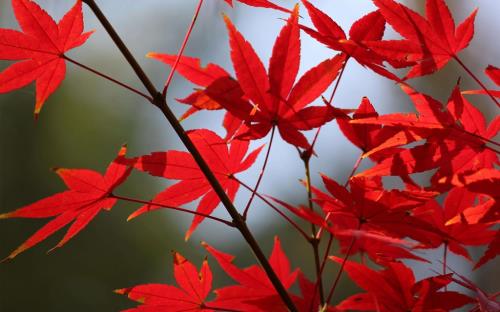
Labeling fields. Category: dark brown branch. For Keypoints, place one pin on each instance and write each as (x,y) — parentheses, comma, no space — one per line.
(161,103)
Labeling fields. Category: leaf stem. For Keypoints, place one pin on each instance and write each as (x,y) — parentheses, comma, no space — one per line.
(338,81)
(445,256)
(339,274)
(113,80)
(160,102)
(353,171)
(265,200)
(306,157)
(315,240)
(480,137)
(322,267)
(144,202)
(261,174)
(459,61)
(183,47)
(122,47)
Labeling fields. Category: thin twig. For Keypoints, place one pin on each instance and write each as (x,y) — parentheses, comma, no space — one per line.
(315,240)
(261,174)
(339,274)
(445,256)
(459,61)
(144,202)
(183,47)
(113,80)
(353,171)
(338,81)
(322,267)
(265,200)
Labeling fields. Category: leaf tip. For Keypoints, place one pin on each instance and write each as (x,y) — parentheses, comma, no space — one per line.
(139,212)
(121,291)
(152,55)
(16,252)
(188,235)
(6,215)
(131,217)
(123,150)
(51,250)
(5,260)
(178,258)
(227,20)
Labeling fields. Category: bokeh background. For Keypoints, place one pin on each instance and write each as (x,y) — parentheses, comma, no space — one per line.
(85,122)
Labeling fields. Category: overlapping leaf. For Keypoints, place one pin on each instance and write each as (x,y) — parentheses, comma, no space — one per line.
(369,214)
(272,99)
(458,234)
(370,27)
(454,135)
(395,289)
(40,48)
(430,41)
(254,291)
(191,69)
(224,160)
(190,295)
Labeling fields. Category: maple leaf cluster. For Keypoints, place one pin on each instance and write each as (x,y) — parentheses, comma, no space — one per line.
(458,208)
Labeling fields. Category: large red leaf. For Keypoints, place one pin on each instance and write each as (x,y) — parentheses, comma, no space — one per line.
(430,42)
(395,289)
(370,27)
(88,193)
(41,47)
(254,291)
(190,295)
(224,160)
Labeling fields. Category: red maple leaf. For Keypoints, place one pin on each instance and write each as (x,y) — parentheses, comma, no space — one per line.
(430,42)
(267,99)
(203,76)
(395,289)
(89,193)
(369,214)
(375,141)
(458,234)
(191,69)
(40,48)
(224,160)
(455,137)
(370,27)
(484,181)
(191,295)
(254,291)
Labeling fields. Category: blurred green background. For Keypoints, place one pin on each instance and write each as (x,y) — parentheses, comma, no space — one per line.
(85,122)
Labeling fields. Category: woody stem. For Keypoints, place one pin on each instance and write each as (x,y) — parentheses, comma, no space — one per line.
(315,240)
(261,174)
(160,102)
(339,274)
